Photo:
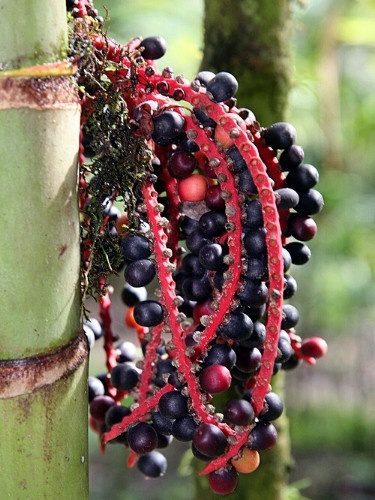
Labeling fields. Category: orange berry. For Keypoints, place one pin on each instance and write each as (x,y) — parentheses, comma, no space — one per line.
(129,318)
(193,188)
(248,462)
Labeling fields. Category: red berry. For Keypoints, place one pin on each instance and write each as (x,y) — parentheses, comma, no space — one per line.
(223,481)
(215,378)
(316,347)
(193,188)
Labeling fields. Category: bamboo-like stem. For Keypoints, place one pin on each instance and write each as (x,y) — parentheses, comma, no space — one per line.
(249,38)
(43,434)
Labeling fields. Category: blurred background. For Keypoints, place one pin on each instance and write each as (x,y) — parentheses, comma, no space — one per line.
(331,407)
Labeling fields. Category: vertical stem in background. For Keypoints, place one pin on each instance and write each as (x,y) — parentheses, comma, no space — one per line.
(250,38)
(43,432)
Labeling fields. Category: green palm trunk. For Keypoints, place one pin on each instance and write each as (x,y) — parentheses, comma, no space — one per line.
(43,420)
(249,38)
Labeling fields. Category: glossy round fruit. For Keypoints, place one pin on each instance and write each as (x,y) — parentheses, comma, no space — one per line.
(256,268)
(209,440)
(248,360)
(223,481)
(95,387)
(215,378)
(154,47)
(142,438)
(212,224)
(193,188)
(204,77)
(222,87)
(135,247)
(255,242)
(310,203)
(290,286)
(303,178)
(211,256)
(195,241)
(214,200)
(192,266)
(290,317)
(197,289)
(273,407)
(161,423)
(280,135)
(152,464)
(115,414)
(168,126)
(238,327)
(302,228)
(254,214)
(253,293)
(239,412)
(148,313)
(183,428)
(131,295)
(316,347)
(124,376)
(299,253)
(181,164)
(286,198)
(173,405)
(127,352)
(291,158)
(99,407)
(140,273)
(248,461)
(220,354)
(263,436)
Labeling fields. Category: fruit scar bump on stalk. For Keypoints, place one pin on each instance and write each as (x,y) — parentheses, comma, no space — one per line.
(136,415)
(168,298)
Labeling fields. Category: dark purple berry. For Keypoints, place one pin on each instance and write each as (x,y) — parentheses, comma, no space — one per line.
(154,47)
(310,203)
(254,215)
(124,376)
(220,354)
(286,198)
(173,405)
(280,135)
(238,163)
(162,424)
(212,224)
(168,126)
(131,296)
(290,317)
(239,412)
(223,481)
(142,438)
(291,158)
(204,77)
(303,178)
(135,247)
(263,436)
(183,428)
(238,327)
(222,87)
(96,388)
(128,352)
(299,253)
(290,286)
(181,164)
(148,313)
(140,273)
(273,407)
(255,242)
(99,407)
(115,414)
(152,464)
(210,440)
(211,256)
(253,293)
(214,200)
(195,241)
(248,360)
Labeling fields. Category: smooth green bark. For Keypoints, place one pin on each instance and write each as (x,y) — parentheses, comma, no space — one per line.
(249,38)
(43,434)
